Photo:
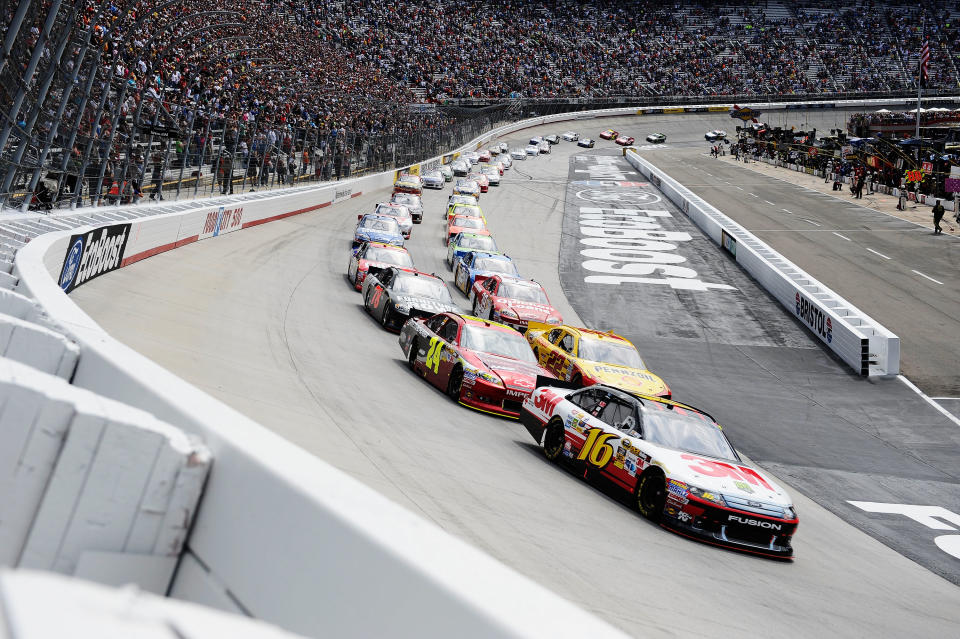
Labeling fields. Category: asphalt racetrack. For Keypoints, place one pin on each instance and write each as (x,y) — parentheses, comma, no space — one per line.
(264,320)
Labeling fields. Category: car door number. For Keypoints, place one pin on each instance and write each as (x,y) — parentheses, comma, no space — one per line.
(555,362)
(595,449)
(433,355)
(377,294)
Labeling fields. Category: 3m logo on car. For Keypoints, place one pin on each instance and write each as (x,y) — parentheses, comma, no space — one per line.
(546,402)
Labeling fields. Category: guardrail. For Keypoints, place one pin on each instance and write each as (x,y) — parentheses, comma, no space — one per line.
(860,341)
(272,514)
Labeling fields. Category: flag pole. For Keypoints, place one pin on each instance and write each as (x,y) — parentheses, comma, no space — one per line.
(923,28)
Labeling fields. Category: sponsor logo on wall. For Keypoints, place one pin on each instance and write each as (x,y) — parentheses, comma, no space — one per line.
(92,254)
(221,221)
(342,194)
(622,232)
(814,317)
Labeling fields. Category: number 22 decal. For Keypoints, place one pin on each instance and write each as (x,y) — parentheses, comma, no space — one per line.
(433,355)
(595,449)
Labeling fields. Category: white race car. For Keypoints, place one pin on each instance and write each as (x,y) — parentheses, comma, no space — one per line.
(533,149)
(571,136)
(713,136)
(673,459)
(518,154)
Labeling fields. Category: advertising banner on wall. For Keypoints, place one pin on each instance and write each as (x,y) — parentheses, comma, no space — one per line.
(92,254)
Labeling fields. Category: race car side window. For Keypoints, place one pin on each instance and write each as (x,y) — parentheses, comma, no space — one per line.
(386,277)
(589,399)
(435,322)
(567,343)
(553,335)
(617,412)
(490,284)
(449,332)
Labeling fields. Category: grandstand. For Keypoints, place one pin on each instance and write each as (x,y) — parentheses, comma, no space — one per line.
(114,102)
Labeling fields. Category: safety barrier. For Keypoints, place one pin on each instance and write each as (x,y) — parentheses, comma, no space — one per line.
(860,341)
(272,514)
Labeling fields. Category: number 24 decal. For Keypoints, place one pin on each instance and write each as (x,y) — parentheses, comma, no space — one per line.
(595,449)
(433,355)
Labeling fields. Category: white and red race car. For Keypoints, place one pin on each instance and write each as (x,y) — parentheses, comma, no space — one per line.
(513,302)
(673,459)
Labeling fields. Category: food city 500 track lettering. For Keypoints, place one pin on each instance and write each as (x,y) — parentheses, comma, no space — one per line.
(92,254)
(629,245)
(815,318)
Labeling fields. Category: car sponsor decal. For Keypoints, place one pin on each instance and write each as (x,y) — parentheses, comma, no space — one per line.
(714,468)
(92,254)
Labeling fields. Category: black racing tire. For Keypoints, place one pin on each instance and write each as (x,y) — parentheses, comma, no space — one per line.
(385,318)
(455,383)
(650,495)
(366,300)
(414,352)
(474,307)
(554,438)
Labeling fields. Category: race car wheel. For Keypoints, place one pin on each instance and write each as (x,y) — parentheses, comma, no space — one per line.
(455,383)
(385,318)
(474,307)
(651,494)
(554,439)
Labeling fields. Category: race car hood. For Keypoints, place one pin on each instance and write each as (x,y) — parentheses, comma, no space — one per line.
(526,310)
(513,372)
(631,379)
(377,236)
(425,304)
(723,476)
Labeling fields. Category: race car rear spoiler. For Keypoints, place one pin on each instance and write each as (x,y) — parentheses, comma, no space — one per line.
(543,380)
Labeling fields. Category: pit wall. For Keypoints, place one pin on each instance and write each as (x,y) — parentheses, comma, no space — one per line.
(280,535)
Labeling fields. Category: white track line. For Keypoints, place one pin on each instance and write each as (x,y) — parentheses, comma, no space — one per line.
(786,211)
(753,195)
(929,400)
(740,187)
(877,253)
(842,236)
(811,221)
(769,202)
(927,276)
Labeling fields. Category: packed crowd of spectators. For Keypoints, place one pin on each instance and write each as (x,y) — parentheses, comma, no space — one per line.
(271,74)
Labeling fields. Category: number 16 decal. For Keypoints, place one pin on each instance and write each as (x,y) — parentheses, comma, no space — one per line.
(595,449)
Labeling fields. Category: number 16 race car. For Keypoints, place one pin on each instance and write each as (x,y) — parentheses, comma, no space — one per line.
(674,461)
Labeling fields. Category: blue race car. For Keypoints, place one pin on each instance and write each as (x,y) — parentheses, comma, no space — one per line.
(377,228)
(467,242)
(476,267)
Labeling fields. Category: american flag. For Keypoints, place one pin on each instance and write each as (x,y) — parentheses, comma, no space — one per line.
(925,61)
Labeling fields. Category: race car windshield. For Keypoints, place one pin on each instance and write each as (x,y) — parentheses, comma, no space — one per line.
(399,258)
(523,293)
(597,350)
(494,265)
(393,211)
(685,433)
(416,286)
(470,210)
(407,199)
(478,242)
(390,226)
(468,222)
(497,342)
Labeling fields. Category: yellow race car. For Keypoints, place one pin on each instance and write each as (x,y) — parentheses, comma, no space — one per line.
(586,357)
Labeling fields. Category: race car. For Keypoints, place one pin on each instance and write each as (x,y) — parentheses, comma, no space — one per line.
(672,459)
(471,210)
(464,243)
(480,364)
(544,147)
(583,357)
(394,295)
(472,157)
(433,179)
(506,161)
(533,149)
(398,211)
(460,167)
(514,302)
(492,174)
(656,138)
(458,199)
(504,147)
(536,140)
(464,186)
(571,136)
(373,257)
(413,203)
(586,143)
(474,267)
(494,151)
(460,223)
(552,138)
(609,134)
(624,140)
(447,171)
(713,136)
(482,181)
(484,155)
(495,163)
(377,228)
(408,184)
(518,154)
